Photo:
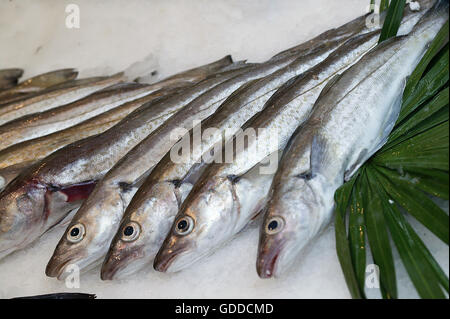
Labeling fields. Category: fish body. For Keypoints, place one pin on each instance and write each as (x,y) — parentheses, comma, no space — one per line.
(53,187)
(40,82)
(350,122)
(58,95)
(102,211)
(168,184)
(43,123)
(155,204)
(193,75)
(220,195)
(17,157)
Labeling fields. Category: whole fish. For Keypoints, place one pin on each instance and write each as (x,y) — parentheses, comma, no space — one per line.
(221,203)
(57,96)
(153,207)
(166,186)
(61,117)
(19,156)
(100,214)
(9,77)
(349,124)
(53,187)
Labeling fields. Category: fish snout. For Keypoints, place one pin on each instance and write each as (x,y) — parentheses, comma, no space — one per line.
(269,251)
(109,267)
(165,257)
(56,267)
(120,260)
(265,264)
(65,258)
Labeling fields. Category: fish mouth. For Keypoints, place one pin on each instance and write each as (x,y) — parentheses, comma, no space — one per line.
(267,261)
(116,262)
(55,269)
(164,260)
(109,269)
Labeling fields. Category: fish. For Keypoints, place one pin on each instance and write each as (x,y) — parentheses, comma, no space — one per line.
(152,209)
(107,203)
(40,82)
(350,122)
(42,195)
(43,123)
(17,157)
(220,199)
(166,185)
(59,94)
(9,77)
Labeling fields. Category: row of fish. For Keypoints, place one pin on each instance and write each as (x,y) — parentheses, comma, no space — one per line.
(98,154)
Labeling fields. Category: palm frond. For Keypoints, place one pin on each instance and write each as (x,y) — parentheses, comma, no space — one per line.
(402,177)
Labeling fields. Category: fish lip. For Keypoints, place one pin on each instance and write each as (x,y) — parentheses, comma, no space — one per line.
(52,271)
(115,262)
(163,260)
(110,267)
(267,261)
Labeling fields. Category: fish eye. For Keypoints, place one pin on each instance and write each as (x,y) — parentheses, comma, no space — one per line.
(131,231)
(76,233)
(184,225)
(274,225)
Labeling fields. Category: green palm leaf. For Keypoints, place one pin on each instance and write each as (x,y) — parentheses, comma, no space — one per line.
(412,166)
(393,18)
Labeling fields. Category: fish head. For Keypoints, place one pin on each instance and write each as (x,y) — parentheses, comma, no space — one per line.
(88,236)
(22,210)
(291,217)
(205,221)
(144,226)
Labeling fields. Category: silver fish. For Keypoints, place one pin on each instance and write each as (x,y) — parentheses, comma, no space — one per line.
(350,122)
(153,207)
(60,182)
(221,199)
(61,117)
(157,201)
(40,82)
(194,75)
(17,157)
(57,96)
(101,213)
